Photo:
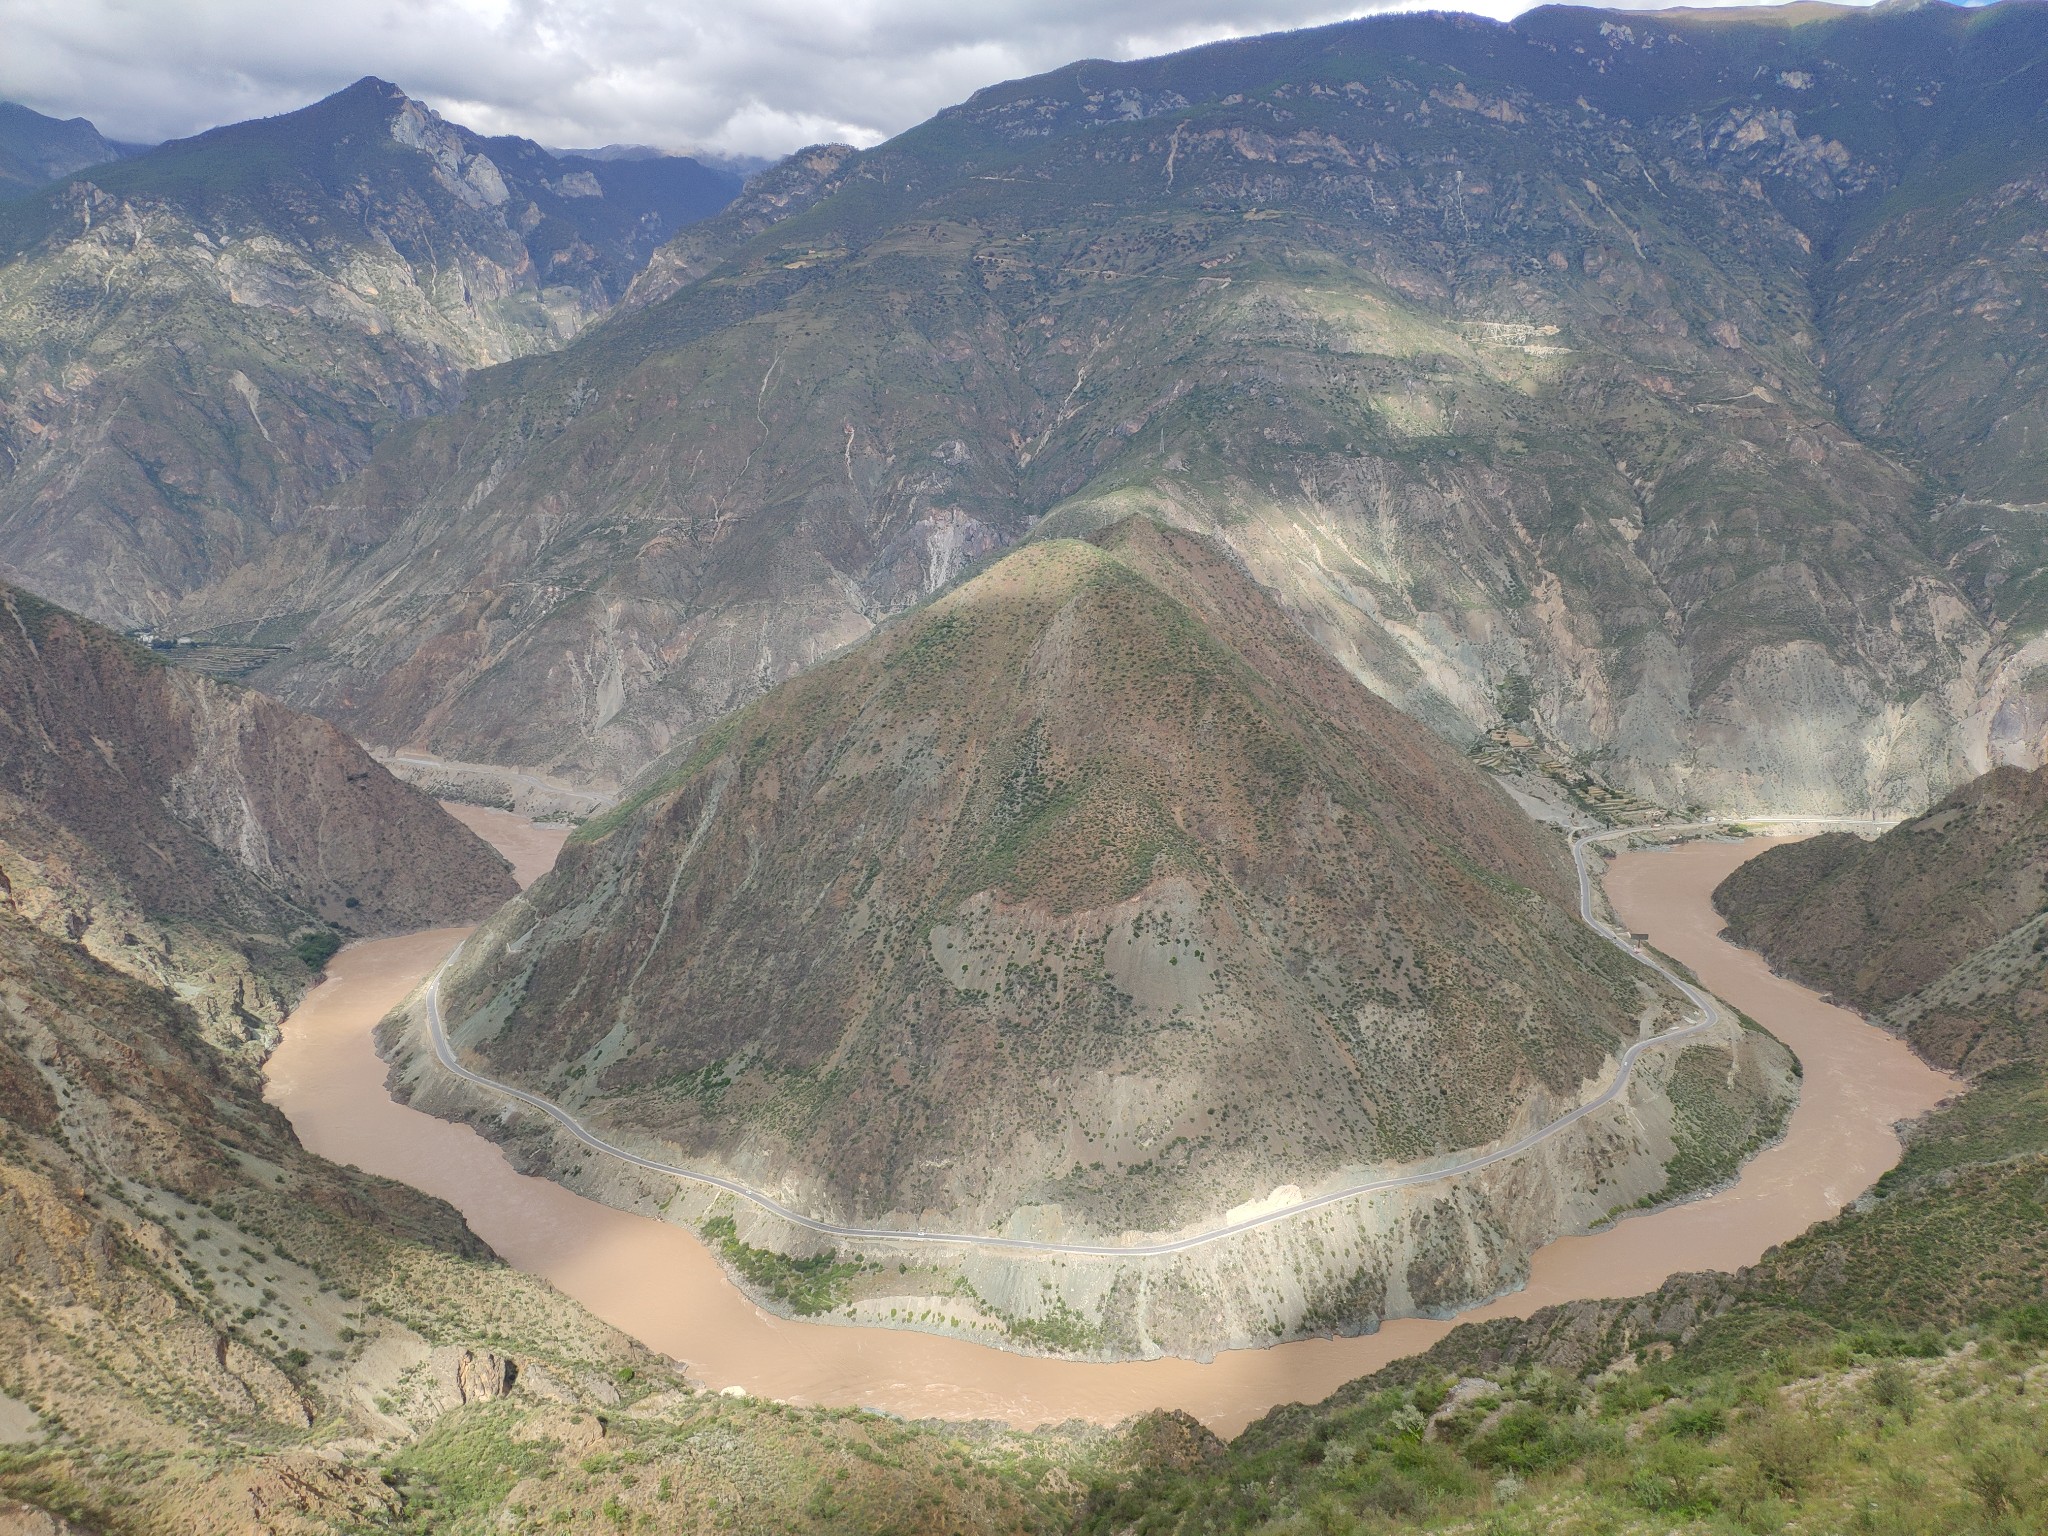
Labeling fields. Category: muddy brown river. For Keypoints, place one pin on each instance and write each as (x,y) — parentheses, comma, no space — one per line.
(658,1283)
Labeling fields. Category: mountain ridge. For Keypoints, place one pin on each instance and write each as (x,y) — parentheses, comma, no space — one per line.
(200,835)
(1933,929)
(1482,428)
(36,150)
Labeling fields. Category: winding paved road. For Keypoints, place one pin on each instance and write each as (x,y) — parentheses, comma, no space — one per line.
(1702,1001)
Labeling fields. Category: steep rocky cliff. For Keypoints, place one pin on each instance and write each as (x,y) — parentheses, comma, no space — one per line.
(1508,357)
(1936,928)
(197,343)
(198,834)
(1091,898)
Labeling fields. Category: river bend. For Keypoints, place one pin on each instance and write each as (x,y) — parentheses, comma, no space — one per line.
(658,1283)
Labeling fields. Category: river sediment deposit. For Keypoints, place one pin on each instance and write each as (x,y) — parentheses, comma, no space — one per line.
(657,1281)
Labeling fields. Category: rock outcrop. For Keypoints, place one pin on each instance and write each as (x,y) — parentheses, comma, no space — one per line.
(192,832)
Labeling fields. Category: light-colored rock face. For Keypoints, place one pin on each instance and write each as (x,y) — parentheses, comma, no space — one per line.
(1797,725)
(468,174)
(1485,418)
(308,346)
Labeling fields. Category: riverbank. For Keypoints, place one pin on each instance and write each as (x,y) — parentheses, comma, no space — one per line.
(658,1283)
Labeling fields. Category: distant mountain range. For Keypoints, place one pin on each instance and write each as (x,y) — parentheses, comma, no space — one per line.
(744,165)
(201,340)
(36,150)
(1675,379)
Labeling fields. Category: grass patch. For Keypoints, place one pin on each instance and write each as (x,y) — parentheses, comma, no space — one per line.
(2004,1114)
(466,1464)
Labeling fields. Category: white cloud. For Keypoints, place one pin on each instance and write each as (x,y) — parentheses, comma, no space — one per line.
(741,76)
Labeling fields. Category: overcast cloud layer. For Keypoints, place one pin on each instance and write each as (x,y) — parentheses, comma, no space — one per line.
(740,77)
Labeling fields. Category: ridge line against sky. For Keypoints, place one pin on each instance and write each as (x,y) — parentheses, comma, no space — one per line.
(748,77)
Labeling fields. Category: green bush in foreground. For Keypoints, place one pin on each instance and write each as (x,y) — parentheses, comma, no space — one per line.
(1827,1440)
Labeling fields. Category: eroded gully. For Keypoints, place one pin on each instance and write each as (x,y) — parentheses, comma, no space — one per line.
(658,1283)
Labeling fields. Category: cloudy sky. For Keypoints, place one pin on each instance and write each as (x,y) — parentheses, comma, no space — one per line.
(737,76)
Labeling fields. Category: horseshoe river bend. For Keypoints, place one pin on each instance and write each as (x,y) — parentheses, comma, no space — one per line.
(657,1282)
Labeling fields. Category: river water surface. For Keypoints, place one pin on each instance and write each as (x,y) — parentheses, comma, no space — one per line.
(658,1283)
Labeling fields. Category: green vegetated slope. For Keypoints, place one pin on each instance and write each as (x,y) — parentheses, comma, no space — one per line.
(1497,352)
(198,342)
(201,835)
(36,150)
(1934,929)
(1093,884)
(1638,1420)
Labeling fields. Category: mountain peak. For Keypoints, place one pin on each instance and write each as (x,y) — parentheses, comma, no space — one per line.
(36,150)
(1075,825)
(370,87)
(370,96)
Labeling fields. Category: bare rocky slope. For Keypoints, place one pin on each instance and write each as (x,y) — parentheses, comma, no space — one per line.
(1935,928)
(1548,367)
(204,1330)
(198,342)
(201,835)
(1092,899)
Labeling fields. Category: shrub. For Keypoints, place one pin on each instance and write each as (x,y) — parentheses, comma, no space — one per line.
(2026,1324)
(1696,1421)
(1429,1394)
(1892,1386)
(1525,1439)
(1670,1478)
(1777,1452)
(2004,1475)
